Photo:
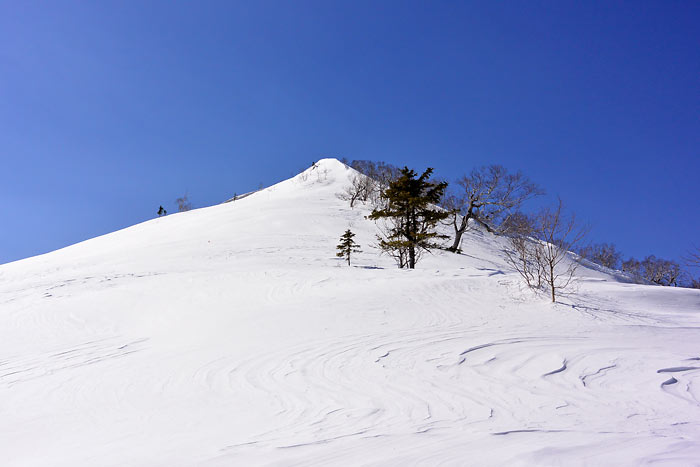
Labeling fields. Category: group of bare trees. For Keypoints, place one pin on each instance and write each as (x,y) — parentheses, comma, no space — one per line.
(666,272)
(545,247)
(655,270)
(409,208)
(539,245)
(380,171)
(603,254)
(371,181)
(651,269)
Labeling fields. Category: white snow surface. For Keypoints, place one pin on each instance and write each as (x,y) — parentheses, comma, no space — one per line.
(232,335)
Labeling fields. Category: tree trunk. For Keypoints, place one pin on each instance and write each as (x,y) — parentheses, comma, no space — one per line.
(458,233)
(413,231)
(551,281)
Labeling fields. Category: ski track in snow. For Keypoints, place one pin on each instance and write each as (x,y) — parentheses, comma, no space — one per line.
(231,336)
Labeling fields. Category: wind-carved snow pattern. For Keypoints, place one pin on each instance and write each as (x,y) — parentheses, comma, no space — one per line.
(18,369)
(231,335)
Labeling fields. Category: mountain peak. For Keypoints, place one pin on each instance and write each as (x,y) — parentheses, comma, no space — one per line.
(329,165)
(324,172)
(329,162)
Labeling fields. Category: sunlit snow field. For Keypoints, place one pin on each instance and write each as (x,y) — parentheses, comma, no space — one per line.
(232,335)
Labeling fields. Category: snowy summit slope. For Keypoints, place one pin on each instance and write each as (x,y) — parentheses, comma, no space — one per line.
(231,335)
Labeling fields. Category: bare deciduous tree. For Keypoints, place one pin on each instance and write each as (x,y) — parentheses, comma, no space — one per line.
(524,256)
(542,258)
(692,259)
(399,251)
(183,203)
(488,195)
(361,188)
(661,271)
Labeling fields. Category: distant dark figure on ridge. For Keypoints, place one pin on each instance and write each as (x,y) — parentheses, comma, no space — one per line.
(162,212)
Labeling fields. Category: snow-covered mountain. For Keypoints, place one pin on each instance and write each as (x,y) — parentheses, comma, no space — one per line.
(232,335)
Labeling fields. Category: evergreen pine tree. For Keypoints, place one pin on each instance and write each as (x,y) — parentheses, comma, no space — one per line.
(347,246)
(411,208)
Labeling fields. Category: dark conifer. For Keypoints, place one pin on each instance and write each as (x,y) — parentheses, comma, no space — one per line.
(411,209)
(347,246)
(162,212)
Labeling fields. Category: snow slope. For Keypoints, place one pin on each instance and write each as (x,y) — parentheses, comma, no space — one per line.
(231,335)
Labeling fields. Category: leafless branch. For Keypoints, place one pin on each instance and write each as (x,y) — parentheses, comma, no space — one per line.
(488,195)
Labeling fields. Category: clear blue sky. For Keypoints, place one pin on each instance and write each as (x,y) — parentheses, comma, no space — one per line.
(109,109)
